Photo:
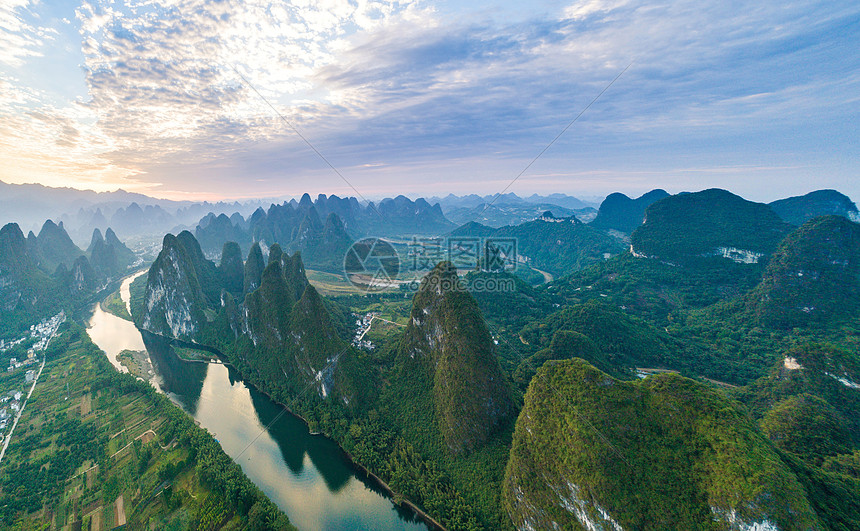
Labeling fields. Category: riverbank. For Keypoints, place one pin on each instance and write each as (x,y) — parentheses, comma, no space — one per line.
(118,441)
(394,495)
(114,305)
(396,498)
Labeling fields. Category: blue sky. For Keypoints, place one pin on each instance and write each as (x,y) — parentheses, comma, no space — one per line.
(426,98)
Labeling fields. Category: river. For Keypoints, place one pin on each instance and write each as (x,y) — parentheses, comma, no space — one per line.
(307,476)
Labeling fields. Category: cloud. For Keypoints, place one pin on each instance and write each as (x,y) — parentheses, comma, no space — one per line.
(18,38)
(582,10)
(381,87)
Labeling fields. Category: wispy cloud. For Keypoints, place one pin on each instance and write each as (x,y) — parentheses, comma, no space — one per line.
(19,38)
(383,87)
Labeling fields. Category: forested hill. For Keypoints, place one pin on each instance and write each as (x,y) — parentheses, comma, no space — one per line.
(447,340)
(621,213)
(813,276)
(798,210)
(41,275)
(559,246)
(684,227)
(591,451)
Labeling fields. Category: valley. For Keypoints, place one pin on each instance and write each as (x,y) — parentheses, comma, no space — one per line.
(403,265)
(306,475)
(504,395)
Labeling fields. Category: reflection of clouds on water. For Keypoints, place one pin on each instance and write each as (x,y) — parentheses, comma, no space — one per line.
(113,335)
(125,289)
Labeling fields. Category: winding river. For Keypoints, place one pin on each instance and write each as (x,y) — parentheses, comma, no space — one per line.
(307,476)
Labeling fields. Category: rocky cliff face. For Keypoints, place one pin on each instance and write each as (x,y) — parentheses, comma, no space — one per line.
(174,303)
(15,262)
(279,332)
(82,276)
(448,339)
(593,452)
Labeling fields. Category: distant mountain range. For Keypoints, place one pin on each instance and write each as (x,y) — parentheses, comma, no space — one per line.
(451,201)
(81,211)
(322,229)
(510,209)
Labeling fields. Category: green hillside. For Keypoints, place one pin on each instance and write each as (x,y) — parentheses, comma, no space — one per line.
(813,276)
(684,227)
(666,452)
(447,338)
(559,247)
(625,341)
(798,210)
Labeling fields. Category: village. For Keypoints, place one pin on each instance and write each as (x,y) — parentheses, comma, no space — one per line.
(11,400)
(362,325)
(39,336)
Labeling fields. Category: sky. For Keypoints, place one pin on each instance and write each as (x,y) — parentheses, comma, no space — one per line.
(229,99)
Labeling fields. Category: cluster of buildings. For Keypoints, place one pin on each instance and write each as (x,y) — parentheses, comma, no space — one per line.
(42,334)
(10,404)
(362,325)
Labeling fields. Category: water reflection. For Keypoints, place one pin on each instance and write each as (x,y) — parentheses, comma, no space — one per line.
(125,289)
(113,335)
(182,380)
(307,476)
(325,455)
